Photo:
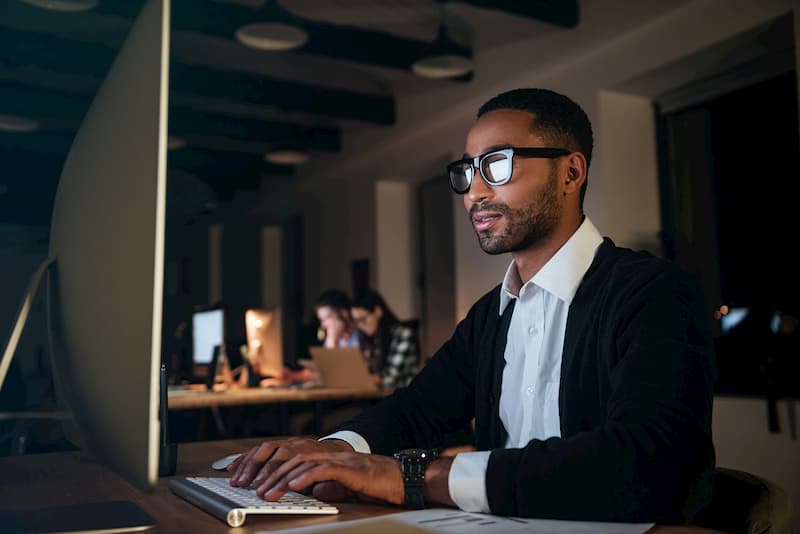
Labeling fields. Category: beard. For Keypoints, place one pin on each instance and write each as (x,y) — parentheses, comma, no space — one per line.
(525,226)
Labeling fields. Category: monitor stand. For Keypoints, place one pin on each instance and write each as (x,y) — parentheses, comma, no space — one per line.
(107,516)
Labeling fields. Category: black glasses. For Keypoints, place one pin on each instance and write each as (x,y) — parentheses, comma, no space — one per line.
(495,166)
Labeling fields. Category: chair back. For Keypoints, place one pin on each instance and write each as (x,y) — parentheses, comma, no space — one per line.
(742,502)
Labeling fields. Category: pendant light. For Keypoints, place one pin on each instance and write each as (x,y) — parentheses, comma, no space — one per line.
(273,28)
(443,58)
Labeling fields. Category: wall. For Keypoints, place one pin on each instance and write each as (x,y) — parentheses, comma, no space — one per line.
(394,246)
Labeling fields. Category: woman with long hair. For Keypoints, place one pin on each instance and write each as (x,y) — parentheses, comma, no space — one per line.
(390,345)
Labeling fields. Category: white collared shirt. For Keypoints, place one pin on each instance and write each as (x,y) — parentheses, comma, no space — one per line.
(532,374)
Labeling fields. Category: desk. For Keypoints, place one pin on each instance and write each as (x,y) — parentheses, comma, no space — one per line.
(181,401)
(68,478)
(190,399)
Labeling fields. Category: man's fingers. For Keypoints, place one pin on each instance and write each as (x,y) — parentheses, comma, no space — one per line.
(235,463)
(249,468)
(269,467)
(275,488)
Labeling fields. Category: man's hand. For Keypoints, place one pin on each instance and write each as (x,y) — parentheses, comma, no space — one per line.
(332,474)
(256,465)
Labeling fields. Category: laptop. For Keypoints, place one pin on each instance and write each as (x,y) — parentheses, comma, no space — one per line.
(342,367)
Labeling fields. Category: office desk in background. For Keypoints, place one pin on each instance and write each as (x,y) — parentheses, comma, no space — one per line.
(191,399)
(242,405)
(68,478)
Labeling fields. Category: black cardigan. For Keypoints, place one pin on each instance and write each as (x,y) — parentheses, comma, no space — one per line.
(635,402)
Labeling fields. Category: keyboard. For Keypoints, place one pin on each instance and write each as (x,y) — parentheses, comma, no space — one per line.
(216,496)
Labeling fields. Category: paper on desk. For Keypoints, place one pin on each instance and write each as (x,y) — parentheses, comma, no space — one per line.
(446,520)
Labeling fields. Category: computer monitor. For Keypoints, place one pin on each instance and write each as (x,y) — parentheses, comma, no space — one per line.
(264,341)
(106,259)
(208,332)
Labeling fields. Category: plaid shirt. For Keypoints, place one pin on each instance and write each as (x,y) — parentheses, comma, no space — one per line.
(400,364)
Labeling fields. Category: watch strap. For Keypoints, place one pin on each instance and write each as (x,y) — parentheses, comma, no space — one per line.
(413,464)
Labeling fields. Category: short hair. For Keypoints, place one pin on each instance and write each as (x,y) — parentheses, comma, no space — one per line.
(334,299)
(560,121)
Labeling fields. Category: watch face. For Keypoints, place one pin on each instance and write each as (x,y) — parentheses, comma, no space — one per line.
(417,453)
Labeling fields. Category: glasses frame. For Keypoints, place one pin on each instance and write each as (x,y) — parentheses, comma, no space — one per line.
(476,163)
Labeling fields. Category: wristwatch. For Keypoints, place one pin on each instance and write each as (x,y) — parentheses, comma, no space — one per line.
(412,464)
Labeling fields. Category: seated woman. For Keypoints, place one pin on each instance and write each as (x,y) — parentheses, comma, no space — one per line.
(390,346)
(332,309)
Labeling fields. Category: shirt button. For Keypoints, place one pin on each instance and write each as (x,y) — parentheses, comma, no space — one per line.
(529,390)
(532,330)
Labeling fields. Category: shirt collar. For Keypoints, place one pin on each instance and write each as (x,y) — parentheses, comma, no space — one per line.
(562,274)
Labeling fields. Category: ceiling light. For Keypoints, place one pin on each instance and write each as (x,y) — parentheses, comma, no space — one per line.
(285,156)
(72,6)
(443,59)
(175,142)
(273,28)
(17,124)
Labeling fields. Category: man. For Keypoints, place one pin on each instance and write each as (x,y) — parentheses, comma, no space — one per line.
(589,370)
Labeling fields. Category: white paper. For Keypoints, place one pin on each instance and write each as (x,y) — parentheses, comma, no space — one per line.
(447,520)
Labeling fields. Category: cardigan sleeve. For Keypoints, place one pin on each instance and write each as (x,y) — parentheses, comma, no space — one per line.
(649,457)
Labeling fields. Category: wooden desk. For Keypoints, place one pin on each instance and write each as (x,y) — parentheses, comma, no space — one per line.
(68,478)
(182,402)
(190,399)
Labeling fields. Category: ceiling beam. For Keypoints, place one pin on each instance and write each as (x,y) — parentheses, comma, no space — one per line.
(282,94)
(559,12)
(18,49)
(64,111)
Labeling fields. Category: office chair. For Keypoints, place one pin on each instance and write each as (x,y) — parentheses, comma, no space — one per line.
(743,503)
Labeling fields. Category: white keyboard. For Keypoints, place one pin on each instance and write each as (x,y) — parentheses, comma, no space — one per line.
(216,496)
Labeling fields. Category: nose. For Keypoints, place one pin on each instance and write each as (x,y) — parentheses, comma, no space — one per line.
(478,190)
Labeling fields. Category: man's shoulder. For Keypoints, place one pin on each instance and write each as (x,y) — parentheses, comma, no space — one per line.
(616,266)
(621,261)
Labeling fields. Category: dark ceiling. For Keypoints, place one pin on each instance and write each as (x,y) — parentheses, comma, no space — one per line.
(230,104)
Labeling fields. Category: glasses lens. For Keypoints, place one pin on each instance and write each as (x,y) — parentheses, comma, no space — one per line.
(460,176)
(496,168)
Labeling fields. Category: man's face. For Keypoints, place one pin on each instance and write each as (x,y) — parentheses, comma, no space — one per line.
(522,212)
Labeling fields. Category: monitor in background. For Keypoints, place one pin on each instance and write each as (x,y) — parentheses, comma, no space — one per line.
(106,260)
(264,341)
(208,332)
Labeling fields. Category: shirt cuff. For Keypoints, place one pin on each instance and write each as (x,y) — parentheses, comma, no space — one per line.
(355,440)
(467,481)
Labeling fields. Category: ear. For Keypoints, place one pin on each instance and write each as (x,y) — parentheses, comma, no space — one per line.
(378,312)
(576,173)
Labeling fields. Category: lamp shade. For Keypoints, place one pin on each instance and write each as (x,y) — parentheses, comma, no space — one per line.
(64,5)
(273,28)
(443,58)
(18,124)
(286,156)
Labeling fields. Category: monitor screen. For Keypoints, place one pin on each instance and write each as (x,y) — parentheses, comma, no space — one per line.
(208,332)
(264,341)
(105,290)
